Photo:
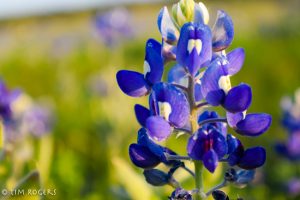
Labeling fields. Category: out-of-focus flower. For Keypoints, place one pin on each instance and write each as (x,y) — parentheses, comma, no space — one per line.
(291,121)
(37,120)
(112,26)
(7,97)
(293,187)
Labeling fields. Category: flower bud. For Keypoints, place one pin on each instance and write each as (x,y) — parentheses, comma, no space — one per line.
(219,195)
(156,177)
(183,12)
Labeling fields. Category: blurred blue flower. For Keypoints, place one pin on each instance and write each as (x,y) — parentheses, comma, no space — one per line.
(291,121)
(7,97)
(293,187)
(113,25)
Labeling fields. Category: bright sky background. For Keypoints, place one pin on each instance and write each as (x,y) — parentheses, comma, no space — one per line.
(17,8)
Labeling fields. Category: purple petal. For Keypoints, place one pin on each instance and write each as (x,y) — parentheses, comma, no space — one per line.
(232,143)
(198,92)
(219,143)
(196,145)
(153,64)
(132,83)
(215,97)
(235,60)
(178,75)
(166,26)
(141,114)
(199,16)
(253,158)
(144,140)
(210,160)
(211,90)
(254,124)
(168,52)
(236,155)
(222,31)
(194,47)
(238,98)
(142,157)
(159,129)
(170,103)
(234,118)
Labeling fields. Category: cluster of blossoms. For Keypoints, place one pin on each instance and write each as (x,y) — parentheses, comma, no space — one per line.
(291,148)
(198,82)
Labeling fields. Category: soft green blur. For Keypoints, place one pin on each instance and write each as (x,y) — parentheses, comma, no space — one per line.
(86,156)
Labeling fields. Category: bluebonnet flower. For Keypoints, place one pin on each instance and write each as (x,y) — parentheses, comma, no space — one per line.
(200,78)
(113,25)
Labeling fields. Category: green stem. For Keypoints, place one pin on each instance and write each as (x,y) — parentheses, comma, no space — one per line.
(198,179)
(194,127)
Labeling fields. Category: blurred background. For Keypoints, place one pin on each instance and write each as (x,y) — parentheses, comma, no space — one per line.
(66,53)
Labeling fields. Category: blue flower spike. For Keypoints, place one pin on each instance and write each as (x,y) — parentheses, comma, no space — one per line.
(198,82)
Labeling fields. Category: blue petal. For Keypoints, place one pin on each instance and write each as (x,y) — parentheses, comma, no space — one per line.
(156,177)
(168,52)
(253,158)
(141,114)
(210,160)
(196,145)
(191,58)
(244,177)
(166,26)
(178,75)
(254,124)
(238,98)
(236,155)
(219,143)
(164,93)
(215,97)
(232,143)
(198,14)
(142,157)
(159,129)
(235,60)
(234,118)
(222,31)
(211,90)
(153,62)
(132,83)
(198,92)
(156,149)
